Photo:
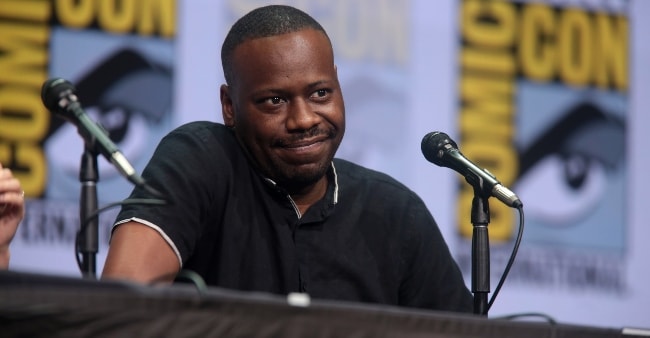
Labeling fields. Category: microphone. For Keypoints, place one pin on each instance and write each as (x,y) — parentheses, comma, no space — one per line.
(58,96)
(438,148)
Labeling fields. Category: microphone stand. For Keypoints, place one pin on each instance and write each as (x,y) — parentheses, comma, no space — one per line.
(480,251)
(88,242)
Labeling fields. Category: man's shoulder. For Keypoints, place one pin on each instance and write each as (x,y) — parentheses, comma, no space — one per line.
(200,127)
(197,139)
(203,131)
(350,173)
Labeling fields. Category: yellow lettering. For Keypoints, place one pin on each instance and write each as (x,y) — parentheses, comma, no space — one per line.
(575,48)
(487,61)
(26,10)
(611,51)
(116,18)
(488,23)
(144,17)
(157,16)
(536,51)
(23,57)
(487,88)
(75,13)
(486,101)
(24,121)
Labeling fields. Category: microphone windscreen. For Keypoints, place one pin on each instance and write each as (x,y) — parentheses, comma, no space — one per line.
(434,144)
(53,90)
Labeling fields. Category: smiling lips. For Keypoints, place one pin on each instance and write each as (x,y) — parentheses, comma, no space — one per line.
(305,150)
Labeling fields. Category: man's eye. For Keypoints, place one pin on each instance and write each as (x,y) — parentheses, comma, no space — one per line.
(275,100)
(320,93)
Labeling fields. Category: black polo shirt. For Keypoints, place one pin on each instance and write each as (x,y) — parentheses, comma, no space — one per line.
(370,239)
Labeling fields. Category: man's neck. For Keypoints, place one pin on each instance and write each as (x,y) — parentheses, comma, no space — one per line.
(307,196)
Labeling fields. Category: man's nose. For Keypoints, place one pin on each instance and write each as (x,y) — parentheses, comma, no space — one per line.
(302,116)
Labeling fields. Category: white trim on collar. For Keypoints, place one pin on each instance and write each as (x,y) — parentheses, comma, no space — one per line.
(336,184)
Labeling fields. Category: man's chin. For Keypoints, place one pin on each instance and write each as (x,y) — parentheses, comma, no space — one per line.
(303,175)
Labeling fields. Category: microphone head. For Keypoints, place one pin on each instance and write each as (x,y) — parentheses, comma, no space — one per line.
(434,146)
(52,92)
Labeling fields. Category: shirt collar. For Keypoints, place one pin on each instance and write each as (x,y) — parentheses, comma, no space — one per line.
(332,184)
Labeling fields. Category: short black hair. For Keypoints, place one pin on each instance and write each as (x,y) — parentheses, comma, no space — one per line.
(264,22)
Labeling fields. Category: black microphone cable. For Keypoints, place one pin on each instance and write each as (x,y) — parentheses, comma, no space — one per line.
(94,214)
(513,254)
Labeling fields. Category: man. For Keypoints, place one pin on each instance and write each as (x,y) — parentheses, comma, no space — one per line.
(261,204)
(12,211)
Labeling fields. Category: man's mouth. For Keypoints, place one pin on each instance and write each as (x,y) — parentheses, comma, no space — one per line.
(306,139)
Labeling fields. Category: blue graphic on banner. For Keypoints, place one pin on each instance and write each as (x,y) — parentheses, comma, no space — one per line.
(125,84)
(573,165)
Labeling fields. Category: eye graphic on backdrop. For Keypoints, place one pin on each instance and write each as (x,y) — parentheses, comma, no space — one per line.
(563,174)
(126,94)
(128,129)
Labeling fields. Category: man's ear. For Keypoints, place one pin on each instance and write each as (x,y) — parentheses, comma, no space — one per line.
(227,110)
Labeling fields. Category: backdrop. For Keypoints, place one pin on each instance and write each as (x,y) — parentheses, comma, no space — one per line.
(547,95)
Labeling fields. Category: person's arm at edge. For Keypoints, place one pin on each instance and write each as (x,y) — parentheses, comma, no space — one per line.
(4,258)
(12,211)
(139,253)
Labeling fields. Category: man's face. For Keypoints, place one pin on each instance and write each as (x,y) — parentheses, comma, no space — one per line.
(286,105)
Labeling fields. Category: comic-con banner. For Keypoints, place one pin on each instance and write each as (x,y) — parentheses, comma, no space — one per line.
(543,106)
(542,101)
(118,55)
